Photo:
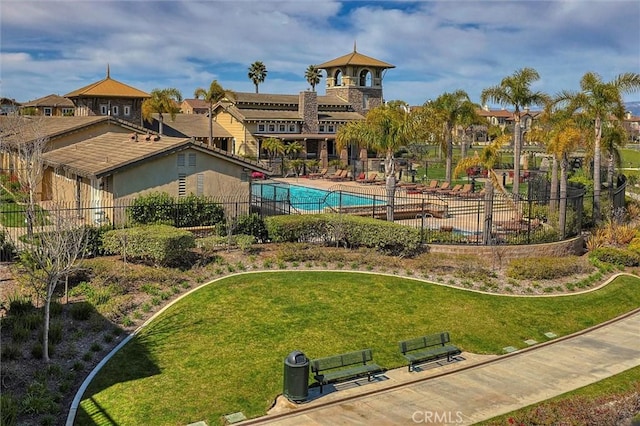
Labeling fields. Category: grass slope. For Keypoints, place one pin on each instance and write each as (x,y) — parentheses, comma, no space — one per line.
(221,349)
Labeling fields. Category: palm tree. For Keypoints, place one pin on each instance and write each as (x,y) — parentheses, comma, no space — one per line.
(214,95)
(257,73)
(160,102)
(488,159)
(600,101)
(515,91)
(312,75)
(453,109)
(385,129)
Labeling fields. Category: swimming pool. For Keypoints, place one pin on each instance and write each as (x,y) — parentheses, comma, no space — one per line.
(310,199)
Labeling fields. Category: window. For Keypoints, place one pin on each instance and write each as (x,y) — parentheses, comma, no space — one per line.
(127,110)
(292,128)
(272,128)
(114,110)
(192,159)
(182,185)
(261,127)
(68,112)
(181,160)
(321,128)
(104,109)
(282,128)
(47,111)
(331,128)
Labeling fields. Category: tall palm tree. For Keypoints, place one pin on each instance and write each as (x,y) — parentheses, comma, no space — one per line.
(600,101)
(214,95)
(515,91)
(385,129)
(453,109)
(313,76)
(161,101)
(257,73)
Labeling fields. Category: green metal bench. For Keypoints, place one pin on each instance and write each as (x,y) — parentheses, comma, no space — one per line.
(346,366)
(428,348)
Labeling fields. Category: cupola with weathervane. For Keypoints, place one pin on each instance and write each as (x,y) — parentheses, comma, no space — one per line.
(357,79)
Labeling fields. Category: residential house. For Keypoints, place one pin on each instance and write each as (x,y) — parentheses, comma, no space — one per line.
(631,124)
(49,106)
(194,106)
(112,169)
(9,106)
(109,97)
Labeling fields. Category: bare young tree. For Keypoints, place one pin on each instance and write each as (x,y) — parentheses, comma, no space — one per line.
(50,256)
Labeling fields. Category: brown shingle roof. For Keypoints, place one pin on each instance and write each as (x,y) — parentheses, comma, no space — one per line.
(34,127)
(188,125)
(240,98)
(50,101)
(357,59)
(105,154)
(197,103)
(108,87)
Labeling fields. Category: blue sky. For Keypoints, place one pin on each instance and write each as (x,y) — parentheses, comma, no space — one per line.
(58,46)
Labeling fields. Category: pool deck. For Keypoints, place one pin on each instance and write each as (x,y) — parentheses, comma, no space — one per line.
(456,221)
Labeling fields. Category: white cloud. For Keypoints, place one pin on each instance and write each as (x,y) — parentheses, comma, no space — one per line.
(58,46)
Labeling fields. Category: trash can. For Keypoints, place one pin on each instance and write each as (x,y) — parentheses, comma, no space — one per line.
(296,377)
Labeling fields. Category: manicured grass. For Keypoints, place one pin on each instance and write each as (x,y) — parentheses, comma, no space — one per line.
(630,157)
(221,349)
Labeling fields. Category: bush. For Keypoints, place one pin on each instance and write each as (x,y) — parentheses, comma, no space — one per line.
(7,249)
(616,256)
(161,208)
(20,304)
(9,409)
(348,231)
(252,225)
(81,311)
(546,268)
(94,241)
(156,244)
(10,352)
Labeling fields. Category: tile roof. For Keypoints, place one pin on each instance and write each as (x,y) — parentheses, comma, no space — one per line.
(355,58)
(50,101)
(108,87)
(197,103)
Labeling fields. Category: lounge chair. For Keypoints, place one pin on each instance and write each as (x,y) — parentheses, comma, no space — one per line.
(445,187)
(340,175)
(432,188)
(452,191)
(372,178)
(465,191)
(319,175)
(361,177)
(337,174)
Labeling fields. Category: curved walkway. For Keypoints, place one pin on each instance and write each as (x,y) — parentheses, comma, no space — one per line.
(474,388)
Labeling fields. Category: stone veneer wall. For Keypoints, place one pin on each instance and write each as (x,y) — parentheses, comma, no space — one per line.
(355,96)
(91,106)
(502,253)
(308,111)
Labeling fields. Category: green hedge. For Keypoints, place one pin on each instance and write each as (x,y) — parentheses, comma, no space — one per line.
(347,231)
(156,244)
(616,256)
(546,268)
(160,207)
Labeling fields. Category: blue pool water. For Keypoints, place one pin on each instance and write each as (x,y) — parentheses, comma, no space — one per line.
(305,198)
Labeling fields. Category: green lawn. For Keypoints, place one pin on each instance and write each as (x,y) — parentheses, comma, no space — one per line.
(221,349)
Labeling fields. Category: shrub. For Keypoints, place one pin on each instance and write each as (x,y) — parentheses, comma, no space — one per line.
(616,256)
(161,208)
(157,244)
(94,241)
(9,409)
(252,225)
(347,231)
(20,304)
(546,268)
(11,352)
(81,311)
(7,249)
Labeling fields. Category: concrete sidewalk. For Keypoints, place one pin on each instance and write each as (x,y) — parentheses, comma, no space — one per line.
(473,388)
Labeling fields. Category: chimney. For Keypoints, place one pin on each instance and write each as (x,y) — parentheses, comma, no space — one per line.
(308,111)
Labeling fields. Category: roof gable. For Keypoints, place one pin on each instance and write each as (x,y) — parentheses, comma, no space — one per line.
(356,59)
(51,100)
(108,87)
